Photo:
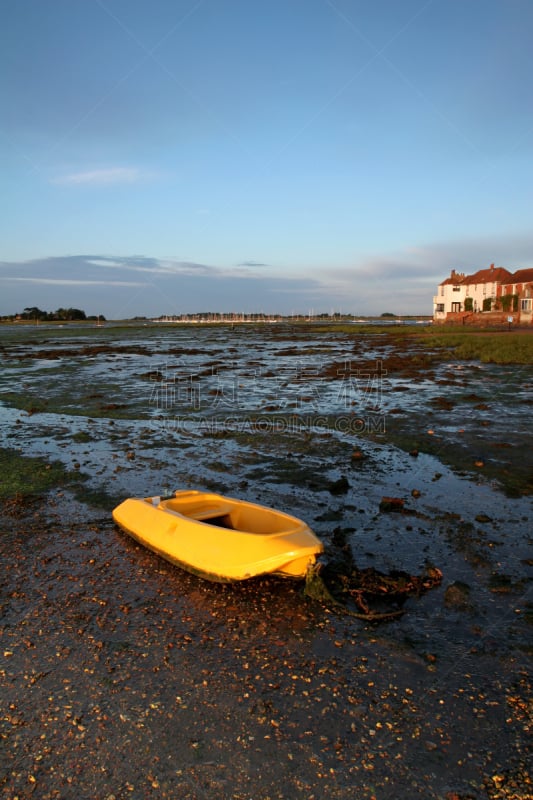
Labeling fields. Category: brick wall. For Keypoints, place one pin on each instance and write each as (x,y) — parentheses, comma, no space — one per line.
(485,319)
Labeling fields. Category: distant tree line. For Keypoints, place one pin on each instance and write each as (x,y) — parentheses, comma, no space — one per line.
(61,315)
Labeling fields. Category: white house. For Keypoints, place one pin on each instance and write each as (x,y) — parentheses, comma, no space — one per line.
(451,296)
(494,289)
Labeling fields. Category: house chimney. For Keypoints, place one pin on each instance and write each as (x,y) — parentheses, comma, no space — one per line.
(492,267)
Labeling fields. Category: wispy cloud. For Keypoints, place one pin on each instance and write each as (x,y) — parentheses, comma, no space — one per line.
(68,281)
(416,268)
(101,177)
(152,266)
(146,286)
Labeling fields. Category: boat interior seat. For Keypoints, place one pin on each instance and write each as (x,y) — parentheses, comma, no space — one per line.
(213,512)
(200,512)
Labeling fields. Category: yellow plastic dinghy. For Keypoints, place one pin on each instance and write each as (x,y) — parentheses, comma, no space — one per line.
(220,538)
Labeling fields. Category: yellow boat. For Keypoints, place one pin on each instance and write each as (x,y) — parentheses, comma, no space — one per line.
(220,538)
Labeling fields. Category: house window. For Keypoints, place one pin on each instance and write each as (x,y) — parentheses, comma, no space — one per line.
(456,307)
(525,304)
(456,288)
(439,308)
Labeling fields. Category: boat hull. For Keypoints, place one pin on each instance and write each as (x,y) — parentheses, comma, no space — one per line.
(220,538)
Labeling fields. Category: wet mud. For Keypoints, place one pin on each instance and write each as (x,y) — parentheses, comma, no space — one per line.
(125,677)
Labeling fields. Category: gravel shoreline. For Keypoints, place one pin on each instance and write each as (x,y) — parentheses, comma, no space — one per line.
(124,677)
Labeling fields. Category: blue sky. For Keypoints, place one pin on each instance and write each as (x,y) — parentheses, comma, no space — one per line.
(261,155)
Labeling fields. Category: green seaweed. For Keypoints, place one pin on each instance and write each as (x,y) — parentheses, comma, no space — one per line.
(28,475)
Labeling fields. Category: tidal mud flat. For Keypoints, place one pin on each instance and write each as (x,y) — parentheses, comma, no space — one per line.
(123,676)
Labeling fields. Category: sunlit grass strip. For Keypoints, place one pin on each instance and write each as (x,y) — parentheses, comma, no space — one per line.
(496,348)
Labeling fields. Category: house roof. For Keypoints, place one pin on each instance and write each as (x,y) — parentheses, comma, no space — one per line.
(522,276)
(455,278)
(491,275)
